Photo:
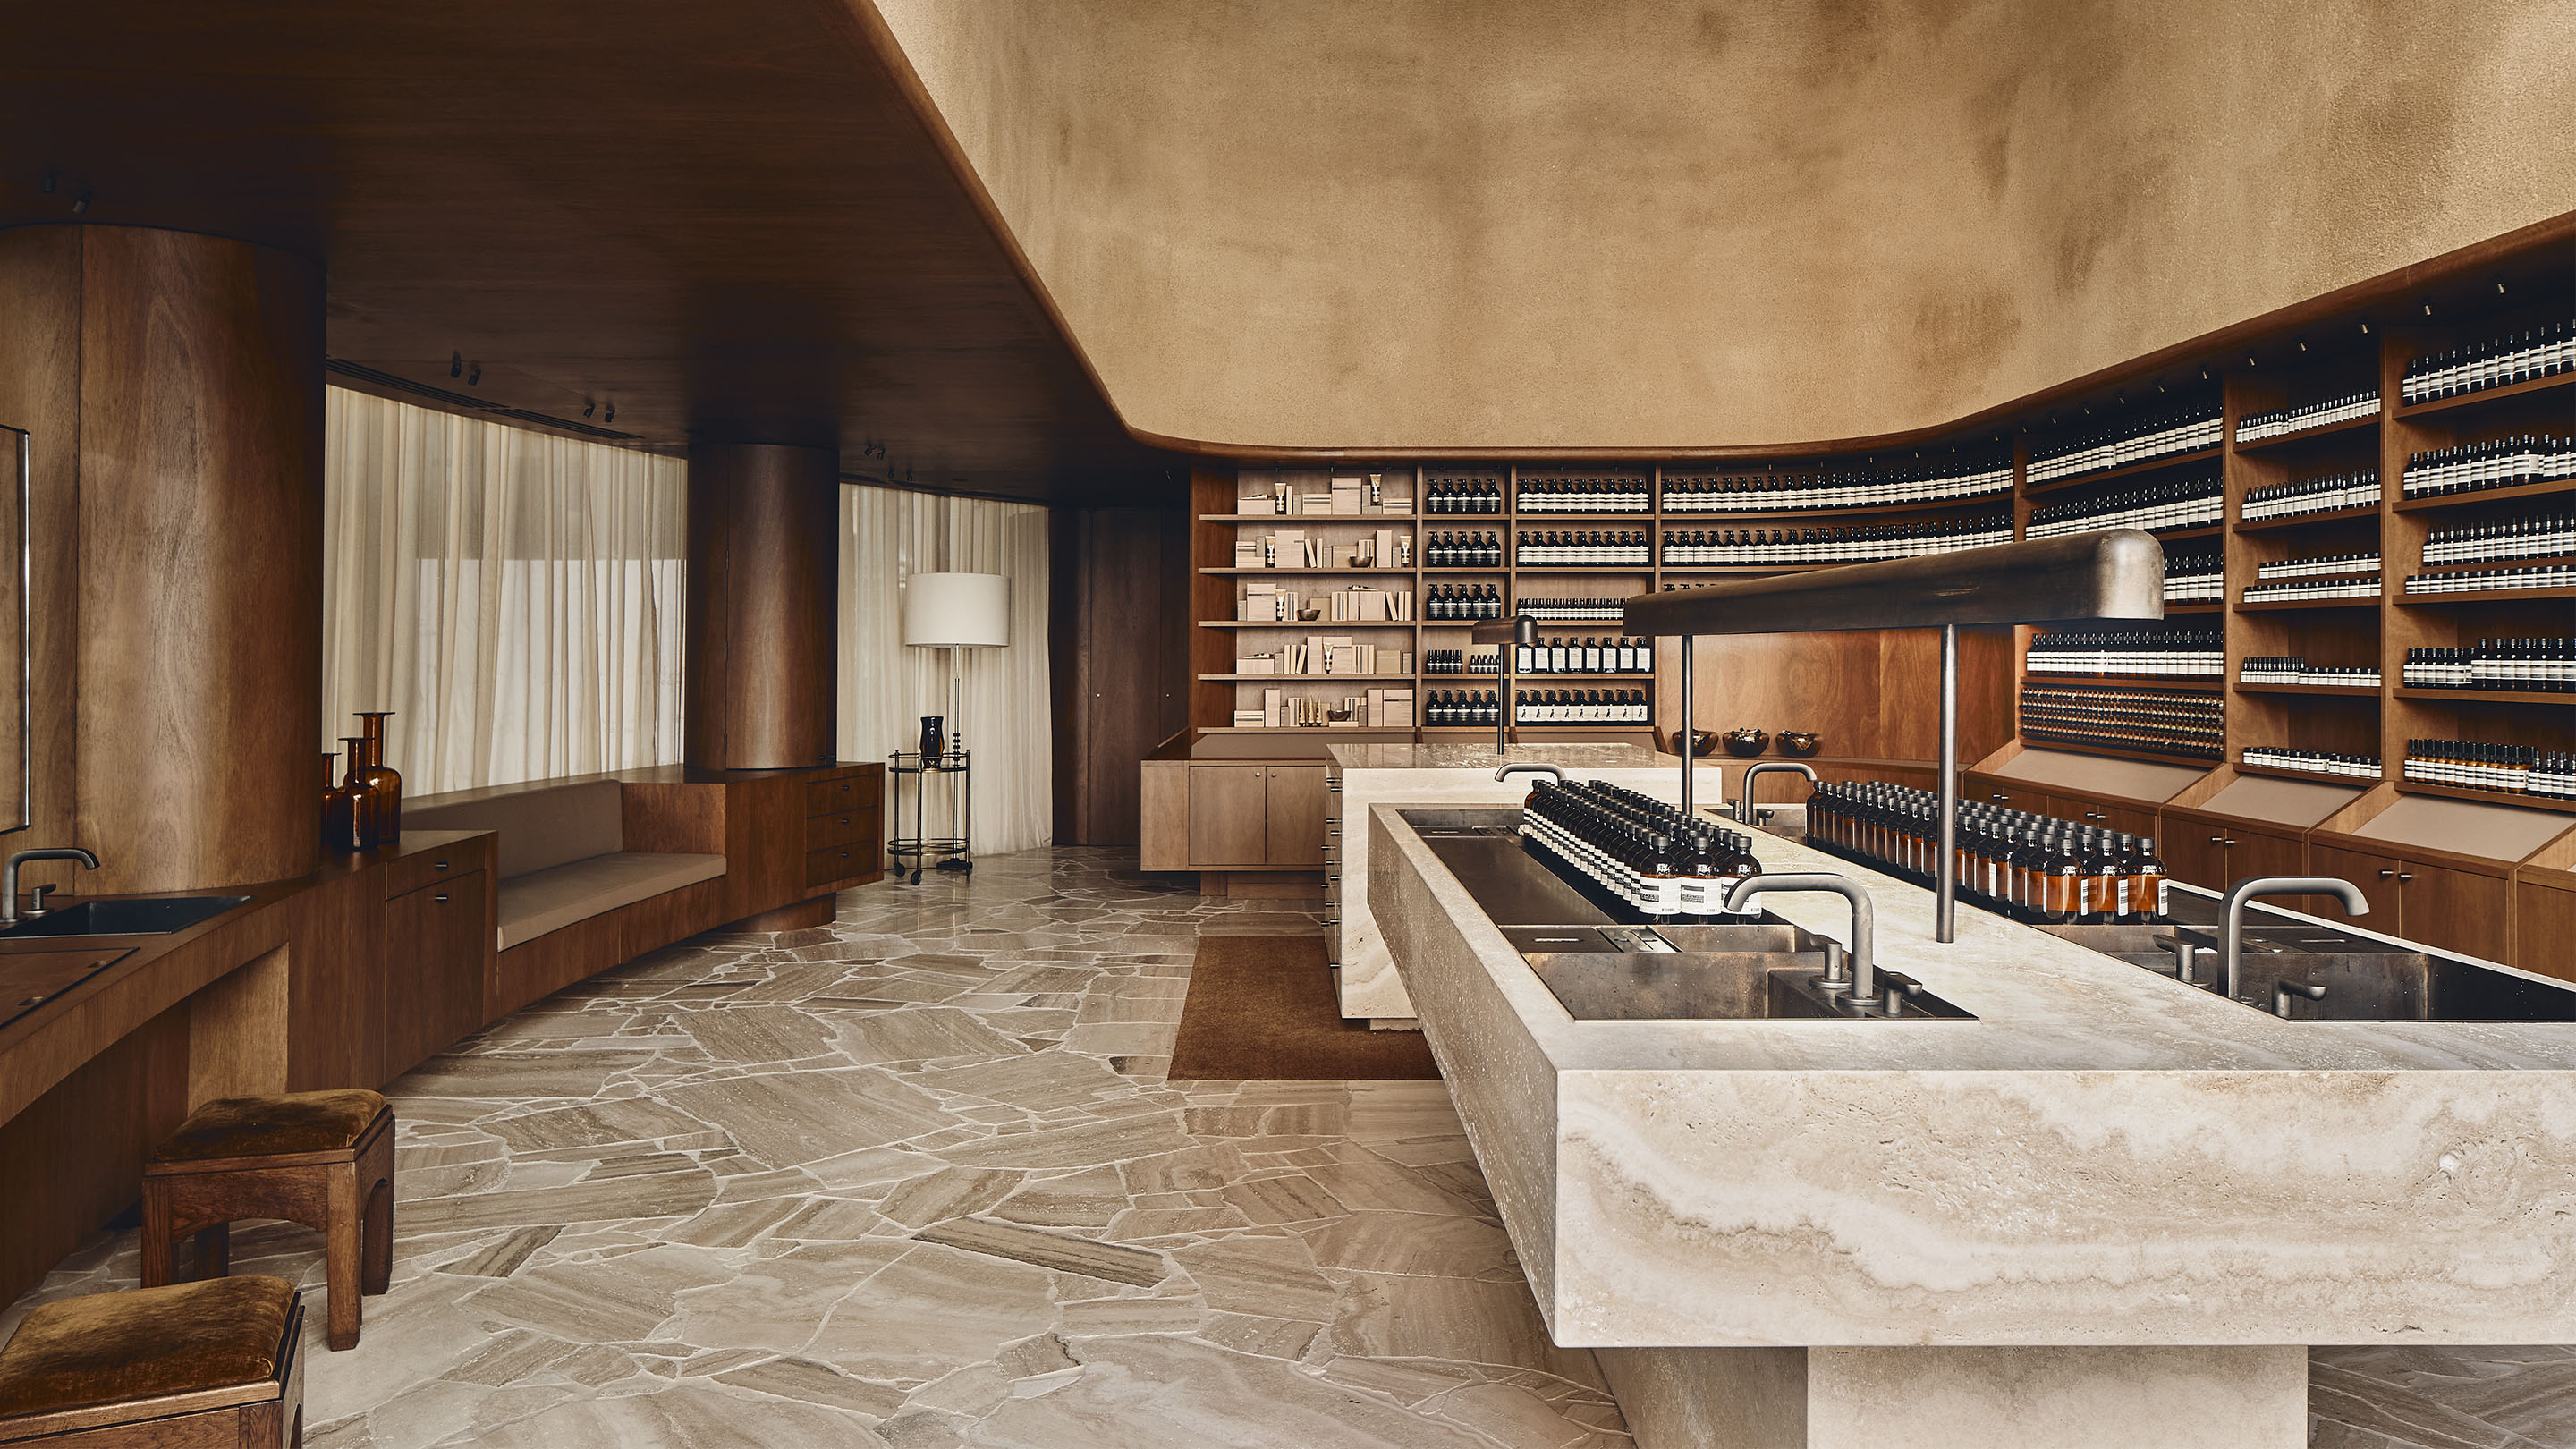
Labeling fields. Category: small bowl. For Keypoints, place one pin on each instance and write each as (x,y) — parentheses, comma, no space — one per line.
(1703,743)
(1799,744)
(1746,743)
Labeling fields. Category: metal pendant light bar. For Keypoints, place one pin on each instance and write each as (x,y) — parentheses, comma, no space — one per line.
(2115,574)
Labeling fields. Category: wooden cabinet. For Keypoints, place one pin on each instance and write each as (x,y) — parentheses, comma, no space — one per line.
(2544,922)
(2456,906)
(1229,815)
(1256,816)
(845,828)
(2212,850)
(436,938)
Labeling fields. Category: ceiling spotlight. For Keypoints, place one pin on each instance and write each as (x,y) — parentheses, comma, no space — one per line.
(474,376)
(589,406)
(456,364)
(612,413)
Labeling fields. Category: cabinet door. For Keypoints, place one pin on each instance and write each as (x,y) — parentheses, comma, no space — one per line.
(1987,790)
(434,944)
(2544,922)
(1296,815)
(2377,877)
(2218,853)
(2193,852)
(2461,910)
(2124,819)
(1229,815)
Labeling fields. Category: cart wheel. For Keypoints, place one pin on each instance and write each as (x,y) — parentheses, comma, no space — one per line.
(916,877)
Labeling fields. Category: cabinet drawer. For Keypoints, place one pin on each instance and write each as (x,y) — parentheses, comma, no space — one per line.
(838,794)
(845,828)
(436,940)
(428,867)
(840,862)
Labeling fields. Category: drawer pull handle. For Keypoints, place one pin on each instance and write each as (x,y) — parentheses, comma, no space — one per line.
(2387,875)
(438,865)
(442,900)
(2404,876)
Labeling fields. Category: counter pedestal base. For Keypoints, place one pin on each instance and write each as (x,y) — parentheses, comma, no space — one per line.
(2163,1397)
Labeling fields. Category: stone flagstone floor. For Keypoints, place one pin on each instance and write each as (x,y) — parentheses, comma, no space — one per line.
(915,1179)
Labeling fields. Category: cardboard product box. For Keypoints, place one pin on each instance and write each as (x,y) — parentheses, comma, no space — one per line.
(1250,718)
(1257,664)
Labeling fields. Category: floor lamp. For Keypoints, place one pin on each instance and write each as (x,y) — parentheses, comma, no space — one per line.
(954,611)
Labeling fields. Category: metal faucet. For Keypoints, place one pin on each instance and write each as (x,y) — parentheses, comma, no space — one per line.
(2231,941)
(1744,806)
(9,873)
(1507,771)
(1864,962)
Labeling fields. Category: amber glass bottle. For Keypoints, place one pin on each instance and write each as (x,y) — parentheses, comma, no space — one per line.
(335,807)
(381,778)
(362,800)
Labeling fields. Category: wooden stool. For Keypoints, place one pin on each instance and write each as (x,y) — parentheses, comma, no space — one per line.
(323,1159)
(211,1363)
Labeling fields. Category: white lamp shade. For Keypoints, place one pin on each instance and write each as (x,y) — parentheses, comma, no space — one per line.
(957,611)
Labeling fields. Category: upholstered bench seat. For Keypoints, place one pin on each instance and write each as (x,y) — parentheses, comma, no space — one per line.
(279,1126)
(156,1354)
(558,896)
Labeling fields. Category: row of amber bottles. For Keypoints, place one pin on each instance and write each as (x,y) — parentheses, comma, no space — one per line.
(364,810)
(2033,868)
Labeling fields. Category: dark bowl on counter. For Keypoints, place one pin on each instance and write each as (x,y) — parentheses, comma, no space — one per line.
(1800,744)
(1703,743)
(1746,743)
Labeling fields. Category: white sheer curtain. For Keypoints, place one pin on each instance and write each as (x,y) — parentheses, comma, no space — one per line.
(888,535)
(514,597)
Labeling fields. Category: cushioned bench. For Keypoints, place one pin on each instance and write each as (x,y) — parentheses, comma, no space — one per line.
(563,853)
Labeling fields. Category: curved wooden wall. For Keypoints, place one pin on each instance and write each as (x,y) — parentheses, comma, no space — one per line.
(764,561)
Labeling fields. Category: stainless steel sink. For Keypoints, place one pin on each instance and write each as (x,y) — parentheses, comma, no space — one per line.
(1607,963)
(140,916)
(2363,979)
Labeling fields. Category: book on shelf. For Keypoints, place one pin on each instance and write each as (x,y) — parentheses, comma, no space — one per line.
(1274,707)
(1257,664)
(1250,719)
(1248,554)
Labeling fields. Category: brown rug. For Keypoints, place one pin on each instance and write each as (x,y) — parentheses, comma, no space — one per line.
(1261,1009)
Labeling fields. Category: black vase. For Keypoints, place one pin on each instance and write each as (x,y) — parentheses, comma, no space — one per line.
(934,736)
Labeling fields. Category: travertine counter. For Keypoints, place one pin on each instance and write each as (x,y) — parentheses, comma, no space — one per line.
(2104,1157)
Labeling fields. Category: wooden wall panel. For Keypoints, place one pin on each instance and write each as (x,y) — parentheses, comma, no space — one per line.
(338,1023)
(200,662)
(763,608)
(1120,635)
(80,1146)
(40,392)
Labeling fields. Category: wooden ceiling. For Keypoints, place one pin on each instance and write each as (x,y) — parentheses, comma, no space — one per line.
(722,220)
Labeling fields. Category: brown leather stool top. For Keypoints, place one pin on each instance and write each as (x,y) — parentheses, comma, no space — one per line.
(273,1126)
(323,1159)
(224,1349)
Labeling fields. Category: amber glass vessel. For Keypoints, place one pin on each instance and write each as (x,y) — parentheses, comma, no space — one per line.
(336,834)
(362,800)
(380,777)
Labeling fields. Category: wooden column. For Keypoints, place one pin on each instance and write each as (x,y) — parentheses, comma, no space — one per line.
(764,570)
(173,382)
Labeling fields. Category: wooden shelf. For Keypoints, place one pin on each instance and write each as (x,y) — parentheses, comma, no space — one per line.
(2283,772)
(1308,624)
(1298,678)
(1306,729)
(2487,395)
(2490,797)
(2269,606)
(2124,682)
(1756,516)
(2301,520)
(2557,488)
(2111,752)
(2481,596)
(2130,470)
(2485,696)
(2328,430)
(1312,573)
(1540,520)
(2202,606)
(2344,691)
(2206,530)
(1332,517)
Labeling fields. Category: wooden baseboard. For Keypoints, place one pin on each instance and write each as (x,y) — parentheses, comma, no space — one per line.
(794,916)
(1270,885)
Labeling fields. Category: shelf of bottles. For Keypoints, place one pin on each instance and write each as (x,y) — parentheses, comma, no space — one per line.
(2030,867)
(2141,720)
(1766,492)
(1593,493)
(1659,862)
(2499,769)
(2198,501)
(2436,582)
(1445,493)
(2128,654)
(2542,667)
(1461,603)
(1573,611)
(2324,764)
(1591,654)
(2293,670)
(2280,422)
(1628,707)
(2526,356)
(1447,549)
(2128,443)
(2316,577)
(2195,578)
(2534,533)
(1851,543)
(2302,497)
(1631,550)
(2524,460)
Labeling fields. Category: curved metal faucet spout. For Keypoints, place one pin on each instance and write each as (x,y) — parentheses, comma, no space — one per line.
(2231,942)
